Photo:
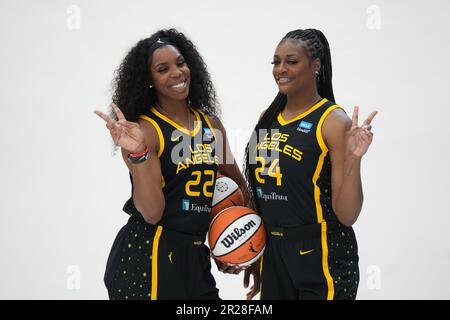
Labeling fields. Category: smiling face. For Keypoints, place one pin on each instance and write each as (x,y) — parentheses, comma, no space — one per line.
(293,69)
(170,74)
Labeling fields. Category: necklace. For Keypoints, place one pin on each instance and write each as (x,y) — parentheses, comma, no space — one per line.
(171,117)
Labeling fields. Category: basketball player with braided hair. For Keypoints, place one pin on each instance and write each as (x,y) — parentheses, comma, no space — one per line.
(303,168)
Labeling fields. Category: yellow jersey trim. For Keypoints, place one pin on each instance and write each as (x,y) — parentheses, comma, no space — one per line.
(158,130)
(209,125)
(319,212)
(322,156)
(178,126)
(326,270)
(260,277)
(154,290)
(302,115)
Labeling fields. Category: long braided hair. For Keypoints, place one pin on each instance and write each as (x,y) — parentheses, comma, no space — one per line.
(316,46)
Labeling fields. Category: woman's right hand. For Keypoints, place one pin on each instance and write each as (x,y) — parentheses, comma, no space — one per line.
(125,134)
(226,267)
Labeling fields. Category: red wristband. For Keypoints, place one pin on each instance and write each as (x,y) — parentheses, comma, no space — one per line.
(140,154)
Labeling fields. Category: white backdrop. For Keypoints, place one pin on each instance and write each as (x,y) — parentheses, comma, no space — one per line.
(62,189)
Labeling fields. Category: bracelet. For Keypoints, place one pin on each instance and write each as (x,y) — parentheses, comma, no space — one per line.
(136,158)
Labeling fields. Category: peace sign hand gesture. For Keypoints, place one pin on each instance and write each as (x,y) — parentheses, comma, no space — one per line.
(359,138)
(126,134)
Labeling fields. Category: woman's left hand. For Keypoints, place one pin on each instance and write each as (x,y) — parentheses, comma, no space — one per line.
(254,271)
(359,138)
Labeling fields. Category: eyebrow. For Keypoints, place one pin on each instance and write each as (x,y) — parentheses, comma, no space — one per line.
(289,55)
(166,63)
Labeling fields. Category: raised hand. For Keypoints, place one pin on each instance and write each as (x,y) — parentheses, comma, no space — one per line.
(125,134)
(359,138)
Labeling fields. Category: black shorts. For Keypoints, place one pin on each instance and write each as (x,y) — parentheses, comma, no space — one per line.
(151,262)
(309,263)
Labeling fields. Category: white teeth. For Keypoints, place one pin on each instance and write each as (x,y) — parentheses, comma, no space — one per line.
(180,85)
(284,79)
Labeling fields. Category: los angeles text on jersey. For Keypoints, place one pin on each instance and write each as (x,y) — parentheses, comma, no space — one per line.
(201,153)
(278,142)
(224,309)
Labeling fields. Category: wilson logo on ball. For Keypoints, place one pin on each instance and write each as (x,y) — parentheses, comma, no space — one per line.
(237,233)
(237,236)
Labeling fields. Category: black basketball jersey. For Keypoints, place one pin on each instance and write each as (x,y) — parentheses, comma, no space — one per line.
(292,170)
(188,165)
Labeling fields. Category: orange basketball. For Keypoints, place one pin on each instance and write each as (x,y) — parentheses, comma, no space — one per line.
(237,236)
(226,194)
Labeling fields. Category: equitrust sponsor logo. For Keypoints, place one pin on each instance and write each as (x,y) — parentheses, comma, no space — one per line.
(270,196)
(238,233)
(207,134)
(304,127)
(186,205)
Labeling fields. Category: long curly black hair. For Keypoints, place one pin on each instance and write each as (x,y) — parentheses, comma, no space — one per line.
(316,45)
(131,81)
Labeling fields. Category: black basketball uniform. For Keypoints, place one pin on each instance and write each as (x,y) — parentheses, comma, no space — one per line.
(170,260)
(309,254)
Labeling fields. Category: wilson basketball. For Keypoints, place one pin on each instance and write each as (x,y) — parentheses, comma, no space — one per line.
(226,194)
(237,236)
